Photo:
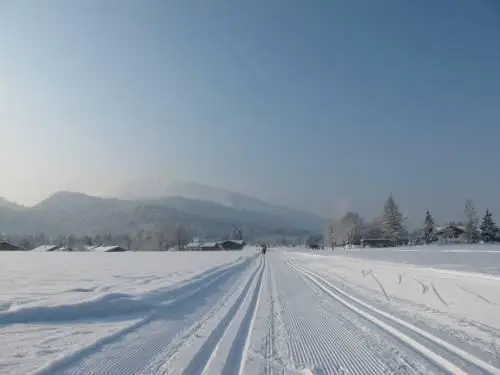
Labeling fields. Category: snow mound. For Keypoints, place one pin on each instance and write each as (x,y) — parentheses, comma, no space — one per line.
(103,306)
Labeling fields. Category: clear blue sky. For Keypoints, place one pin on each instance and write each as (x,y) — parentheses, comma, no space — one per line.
(327,105)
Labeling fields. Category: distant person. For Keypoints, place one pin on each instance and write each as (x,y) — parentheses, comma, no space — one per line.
(264,249)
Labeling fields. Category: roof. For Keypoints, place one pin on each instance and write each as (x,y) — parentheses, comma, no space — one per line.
(239,242)
(209,244)
(194,244)
(46,248)
(108,249)
(8,246)
(450,226)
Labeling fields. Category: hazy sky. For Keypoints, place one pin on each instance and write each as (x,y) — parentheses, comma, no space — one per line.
(327,105)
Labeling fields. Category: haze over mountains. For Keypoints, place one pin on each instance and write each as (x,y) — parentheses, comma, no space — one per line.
(156,188)
(156,205)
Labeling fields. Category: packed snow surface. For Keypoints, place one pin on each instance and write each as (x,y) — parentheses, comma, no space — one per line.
(52,304)
(289,312)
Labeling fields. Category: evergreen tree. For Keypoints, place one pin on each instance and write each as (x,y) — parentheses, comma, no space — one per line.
(429,228)
(471,224)
(392,220)
(489,230)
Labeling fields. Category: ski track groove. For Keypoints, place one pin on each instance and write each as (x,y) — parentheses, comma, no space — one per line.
(270,344)
(348,337)
(239,357)
(163,365)
(278,356)
(463,357)
(128,352)
(317,344)
(202,358)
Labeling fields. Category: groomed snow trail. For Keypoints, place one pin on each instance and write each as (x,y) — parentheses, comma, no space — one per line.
(265,315)
(142,347)
(323,337)
(444,355)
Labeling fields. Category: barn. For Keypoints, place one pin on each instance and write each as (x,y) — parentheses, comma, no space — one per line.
(232,244)
(208,246)
(5,246)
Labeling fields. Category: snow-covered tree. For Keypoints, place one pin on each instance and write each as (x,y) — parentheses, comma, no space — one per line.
(429,231)
(331,235)
(351,227)
(489,229)
(471,224)
(392,220)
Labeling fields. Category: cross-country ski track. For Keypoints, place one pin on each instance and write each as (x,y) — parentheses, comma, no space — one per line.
(265,315)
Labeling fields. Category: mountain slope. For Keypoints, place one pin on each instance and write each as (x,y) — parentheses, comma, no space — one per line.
(74,213)
(7,204)
(157,188)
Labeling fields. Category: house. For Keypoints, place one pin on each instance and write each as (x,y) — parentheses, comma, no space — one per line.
(208,246)
(109,249)
(376,242)
(450,232)
(384,242)
(232,244)
(5,246)
(193,246)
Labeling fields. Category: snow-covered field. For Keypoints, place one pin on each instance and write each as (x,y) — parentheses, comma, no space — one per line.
(54,304)
(289,312)
(463,304)
(475,258)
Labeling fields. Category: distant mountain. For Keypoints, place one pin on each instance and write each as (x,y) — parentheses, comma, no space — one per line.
(75,213)
(157,188)
(7,204)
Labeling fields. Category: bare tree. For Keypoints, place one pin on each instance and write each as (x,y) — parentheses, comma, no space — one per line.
(181,236)
(27,243)
(331,234)
(236,234)
(472,221)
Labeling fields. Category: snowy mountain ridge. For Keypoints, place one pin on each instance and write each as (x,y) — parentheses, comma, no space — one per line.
(75,213)
(158,188)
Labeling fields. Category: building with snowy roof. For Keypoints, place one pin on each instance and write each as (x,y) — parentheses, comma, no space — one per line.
(5,246)
(109,249)
(193,246)
(207,246)
(46,248)
(232,244)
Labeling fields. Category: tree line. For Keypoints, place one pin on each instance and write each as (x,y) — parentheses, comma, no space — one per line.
(177,236)
(475,230)
(391,226)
